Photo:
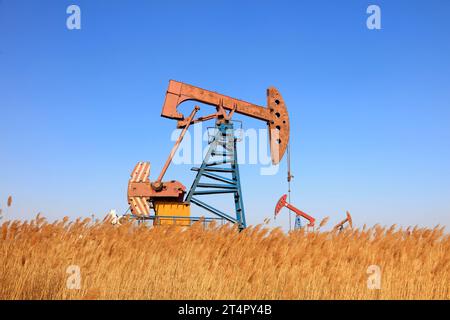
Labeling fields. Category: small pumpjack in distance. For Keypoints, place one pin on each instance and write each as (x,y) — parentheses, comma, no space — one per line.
(340,226)
(311,221)
(298,213)
(168,199)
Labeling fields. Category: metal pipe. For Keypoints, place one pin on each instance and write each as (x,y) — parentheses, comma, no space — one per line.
(177,144)
(301,213)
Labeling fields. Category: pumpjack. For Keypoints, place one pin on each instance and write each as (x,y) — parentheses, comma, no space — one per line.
(168,199)
(298,213)
(348,220)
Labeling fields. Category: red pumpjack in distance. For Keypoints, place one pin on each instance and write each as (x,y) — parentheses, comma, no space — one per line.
(283,203)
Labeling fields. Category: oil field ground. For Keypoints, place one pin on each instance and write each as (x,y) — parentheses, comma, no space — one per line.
(94,260)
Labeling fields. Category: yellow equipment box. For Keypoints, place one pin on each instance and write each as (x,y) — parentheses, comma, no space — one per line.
(172,213)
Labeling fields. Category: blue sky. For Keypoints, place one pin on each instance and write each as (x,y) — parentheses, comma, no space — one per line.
(369,109)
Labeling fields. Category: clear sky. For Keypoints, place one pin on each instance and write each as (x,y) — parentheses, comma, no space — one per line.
(369,109)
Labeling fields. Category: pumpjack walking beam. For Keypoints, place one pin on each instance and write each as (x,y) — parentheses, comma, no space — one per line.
(275,114)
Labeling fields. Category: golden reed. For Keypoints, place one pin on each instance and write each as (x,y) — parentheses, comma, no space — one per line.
(129,262)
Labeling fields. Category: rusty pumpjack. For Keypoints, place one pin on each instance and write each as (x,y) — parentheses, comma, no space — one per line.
(168,199)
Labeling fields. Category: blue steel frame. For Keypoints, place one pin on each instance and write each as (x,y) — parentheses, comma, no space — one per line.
(298,223)
(222,146)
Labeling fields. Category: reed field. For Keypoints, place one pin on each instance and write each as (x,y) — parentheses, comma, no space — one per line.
(139,262)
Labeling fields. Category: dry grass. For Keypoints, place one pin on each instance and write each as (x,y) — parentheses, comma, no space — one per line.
(9,201)
(129,262)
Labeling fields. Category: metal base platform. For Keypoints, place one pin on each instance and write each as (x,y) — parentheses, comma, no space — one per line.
(175,220)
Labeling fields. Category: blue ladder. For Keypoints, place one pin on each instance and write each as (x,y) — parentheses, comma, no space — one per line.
(222,151)
(298,223)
